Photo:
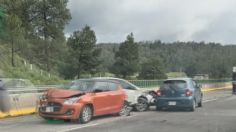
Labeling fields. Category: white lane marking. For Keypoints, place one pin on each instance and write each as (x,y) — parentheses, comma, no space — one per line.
(95,124)
(209,100)
(79,127)
(214,99)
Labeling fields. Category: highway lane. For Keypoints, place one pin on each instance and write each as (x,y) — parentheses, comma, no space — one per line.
(217,114)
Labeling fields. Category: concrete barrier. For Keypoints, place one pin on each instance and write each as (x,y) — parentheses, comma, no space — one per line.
(216,87)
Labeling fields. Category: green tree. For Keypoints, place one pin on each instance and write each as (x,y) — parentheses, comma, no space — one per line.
(19,9)
(48,22)
(127,58)
(13,30)
(13,33)
(2,15)
(84,56)
(152,69)
(191,70)
(43,22)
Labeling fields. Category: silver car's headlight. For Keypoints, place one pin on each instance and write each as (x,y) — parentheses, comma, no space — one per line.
(71,100)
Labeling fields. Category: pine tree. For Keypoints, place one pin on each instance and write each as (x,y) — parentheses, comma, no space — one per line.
(83,52)
(127,58)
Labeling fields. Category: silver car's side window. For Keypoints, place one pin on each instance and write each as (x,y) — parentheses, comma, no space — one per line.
(127,86)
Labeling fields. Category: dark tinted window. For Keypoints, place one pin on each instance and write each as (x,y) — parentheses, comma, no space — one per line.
(234,76)
(176,84)
(103,86)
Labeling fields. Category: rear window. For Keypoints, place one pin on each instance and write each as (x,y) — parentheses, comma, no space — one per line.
(176,84)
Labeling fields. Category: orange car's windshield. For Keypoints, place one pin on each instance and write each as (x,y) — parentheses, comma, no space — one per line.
(87,85)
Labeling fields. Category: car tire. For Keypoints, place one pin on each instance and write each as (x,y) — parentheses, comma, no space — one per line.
(142,105)
(125,110)
(86,114)
(193,107)
(200,103)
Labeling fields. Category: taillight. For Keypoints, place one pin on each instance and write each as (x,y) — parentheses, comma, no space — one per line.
(188,93)
(158,92)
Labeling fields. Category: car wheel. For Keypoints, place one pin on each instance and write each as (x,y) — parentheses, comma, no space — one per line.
(200,103)
(125,110)
(142,105)
(193,107)
(86,114)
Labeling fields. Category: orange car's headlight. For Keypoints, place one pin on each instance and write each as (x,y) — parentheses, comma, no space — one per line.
(71,100)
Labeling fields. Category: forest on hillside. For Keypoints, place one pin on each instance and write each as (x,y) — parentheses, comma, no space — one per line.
(192,58)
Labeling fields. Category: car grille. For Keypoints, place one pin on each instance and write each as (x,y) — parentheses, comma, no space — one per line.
(56,106)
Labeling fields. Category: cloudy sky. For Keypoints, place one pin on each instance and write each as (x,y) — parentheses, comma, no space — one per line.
(166,20)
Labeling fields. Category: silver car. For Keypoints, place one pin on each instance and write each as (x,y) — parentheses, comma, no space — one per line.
(22,93)
(138,99)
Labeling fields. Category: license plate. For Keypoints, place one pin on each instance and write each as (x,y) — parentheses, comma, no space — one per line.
(49,109)
(171,103)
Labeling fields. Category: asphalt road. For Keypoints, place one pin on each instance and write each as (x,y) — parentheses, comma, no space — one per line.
(217,115)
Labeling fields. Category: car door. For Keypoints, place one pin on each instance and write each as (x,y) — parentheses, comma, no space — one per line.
(116,97)
(101,98)
(130,91)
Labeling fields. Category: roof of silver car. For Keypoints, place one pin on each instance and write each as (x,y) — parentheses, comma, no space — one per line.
(113,78)
(107,78)
(182,78)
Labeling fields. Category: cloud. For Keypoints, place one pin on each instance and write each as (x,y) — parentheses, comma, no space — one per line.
(167,20)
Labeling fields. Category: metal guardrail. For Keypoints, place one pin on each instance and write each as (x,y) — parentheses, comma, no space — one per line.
(44,88)
(147,83)
(139,83)
(157,83)
(36,89)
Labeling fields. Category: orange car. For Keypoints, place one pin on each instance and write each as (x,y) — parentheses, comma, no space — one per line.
(83,99)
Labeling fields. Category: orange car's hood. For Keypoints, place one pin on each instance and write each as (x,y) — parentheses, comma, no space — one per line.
(62,93)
